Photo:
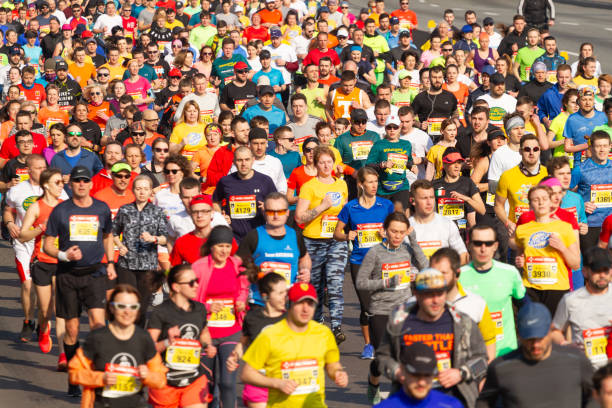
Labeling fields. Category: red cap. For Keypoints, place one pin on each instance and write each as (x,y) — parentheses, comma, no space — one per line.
(201,199)
(301,291)
(87,34)
(452,158)
(240,65)
(175,72)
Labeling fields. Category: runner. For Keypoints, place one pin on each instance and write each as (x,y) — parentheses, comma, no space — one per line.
(434,105)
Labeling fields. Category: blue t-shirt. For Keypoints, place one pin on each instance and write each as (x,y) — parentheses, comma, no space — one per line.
(147,71)
(290,160)
(587,176)
(275,76)
(575,204)
(359,218)
(435,399)
(577,127)
(275,116)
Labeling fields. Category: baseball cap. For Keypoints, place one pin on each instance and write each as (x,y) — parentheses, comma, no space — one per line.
(301,291)
(175,72)
(419,358)
(430,280)
(61,66)
(117,167)
(358,114)
(275,32)
(404,73)
(597,259)
(266,89)
(14,50)
(238,9)
(394,20)
(240,65)
(488,21)
(495,134)
(80,172)
(201,199)
(404,33)
(90,40)
(263,80)
(487,70)
(269,1)
(87,34)
(265,54)
(342,32)
(392,120)
(497,79)
(538,66)
(324,9)
(451,155)
(137,126)
(533,321)
(257,133)
(467,28)
(66,27)
(179,4)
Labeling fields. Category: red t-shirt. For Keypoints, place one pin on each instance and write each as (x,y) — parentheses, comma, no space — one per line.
(316,54)
(332,79)
(186,249)
(129,24)
(606,230)
(9,146)
(251,33)
(297,179)
(560,214)
(100,181)
(35,94)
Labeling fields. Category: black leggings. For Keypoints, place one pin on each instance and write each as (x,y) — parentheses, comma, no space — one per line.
(378,325)
(362,295)
(141,280)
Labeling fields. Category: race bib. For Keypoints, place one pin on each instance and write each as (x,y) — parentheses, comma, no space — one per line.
(84,227)
(22,174)
(368,235)
(429,247)
(434,126)
(238,105)
(499,325)
(207,116)
(551,76)
(184,354)
(128,381)
(361,149)
(451,208)
(519,210)
(135,95)
(402,269)
(596,343)
(328,225)
(601,195)
(281,268)
(304,372)
(490,199)
(228,79)
(399,162)
(226,317)
(461,110)
(243,206)
(443,362)
(541,270)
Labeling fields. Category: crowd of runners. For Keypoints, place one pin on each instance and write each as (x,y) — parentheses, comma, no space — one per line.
(200,178)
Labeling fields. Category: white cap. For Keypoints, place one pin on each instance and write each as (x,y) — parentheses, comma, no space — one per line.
(392,120)
(238,8)
(263,80)
(342,31)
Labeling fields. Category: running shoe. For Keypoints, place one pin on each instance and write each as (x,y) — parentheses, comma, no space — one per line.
(74,390)
(367,353)
(62,363)
(44,339)
(26,331)
(339,335)
(374,396)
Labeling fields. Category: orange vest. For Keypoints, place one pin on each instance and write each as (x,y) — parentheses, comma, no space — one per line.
(343,104)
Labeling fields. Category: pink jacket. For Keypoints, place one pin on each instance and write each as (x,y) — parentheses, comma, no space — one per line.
(203,268)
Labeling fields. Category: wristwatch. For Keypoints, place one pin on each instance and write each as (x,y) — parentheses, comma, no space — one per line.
(464,374)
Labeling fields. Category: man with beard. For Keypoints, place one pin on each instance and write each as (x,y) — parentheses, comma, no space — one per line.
(69,89)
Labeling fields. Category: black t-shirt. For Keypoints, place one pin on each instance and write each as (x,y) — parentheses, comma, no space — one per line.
(438,335)
(161,67)
(454,210)
(13,169)
(232,94)
(249,244)
(85,227)
(190,324)
(91,131)
(512,84)
(98,60)
(109,353)
(465,142)
(163,96)
(428,106)
(255,321)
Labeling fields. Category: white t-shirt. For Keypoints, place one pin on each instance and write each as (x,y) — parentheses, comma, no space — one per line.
(181,223)
(207,102)
(300,45)
(271,167)
(375,127)
(499,107)
(169,202)
(503,159)
(107,23)
(495,40)
(421,143)
(300,7)
(255,64)
(284,52)
(441,232)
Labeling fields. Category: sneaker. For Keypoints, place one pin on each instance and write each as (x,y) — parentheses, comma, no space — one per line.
(62,363)
(44,339)
(26,331)
(74,390)
(339,335)
(367,353)
(374,396)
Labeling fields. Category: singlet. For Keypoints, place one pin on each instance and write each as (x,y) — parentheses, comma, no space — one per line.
(342,103)
(44,210)
(479,62)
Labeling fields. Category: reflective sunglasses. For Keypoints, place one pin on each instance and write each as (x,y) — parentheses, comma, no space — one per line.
(271,213)
(160,150)
(122,176)
(123,306)
(75,133)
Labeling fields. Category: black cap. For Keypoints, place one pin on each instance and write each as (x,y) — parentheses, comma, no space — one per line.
(358,114)
(14,50)
(266,89)
(265,54)
(221,234)
(488,21)
(257,133)
(61,66)
(597,259)
(497,79)
(80,172)
(419,358)
(404,33)
(495,133)
(364,10)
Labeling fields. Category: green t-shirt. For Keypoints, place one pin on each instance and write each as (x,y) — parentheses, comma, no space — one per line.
(400,154)
(403,98)
(525,58)
(497,287)
(378,44)
(354,150)
(224,68)
(606,128)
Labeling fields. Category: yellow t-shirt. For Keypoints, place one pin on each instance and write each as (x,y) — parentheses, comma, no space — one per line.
(193,135)
(315,191)
(284,353)
(544,267)
(582,82)
(116,72)
(514,186)
(434,155)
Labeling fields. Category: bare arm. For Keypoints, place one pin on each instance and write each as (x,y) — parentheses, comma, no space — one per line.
(480,169)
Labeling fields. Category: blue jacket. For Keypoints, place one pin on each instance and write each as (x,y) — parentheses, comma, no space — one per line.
(435,399)
(549,104)
(87,159)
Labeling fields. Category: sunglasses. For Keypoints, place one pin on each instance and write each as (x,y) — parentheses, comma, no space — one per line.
(271,213)
(342,37)
(308,149)
(531,149)
(207,53)
(80,180)
(447,49)
(481,243)
(124,306)
(179,46)
(101,74)
(192,283)
(138,133)
(160,150)
(395,127)
(31,112)
(75,134)
(122,176)
(344,7)
(171,171)
(360,122)
(96,93)
(291,139)
(242,71)
(59,183)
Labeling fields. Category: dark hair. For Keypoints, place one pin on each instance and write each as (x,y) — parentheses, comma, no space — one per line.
(567,95)
(524,100)
(21,133)
(299,97)
(180,161)
(607,104)
(531,136)
(188,183)
(361,175)
(556,163)
(420,184)
(396,216)
(600,375)
(46,175)
(451,255)
(237,120)
(405,110)
(121,288)
(267,281)
(224,115)
(321,125)
(599,135)
(480,109)
(483,227)
(347,76)
(175,272)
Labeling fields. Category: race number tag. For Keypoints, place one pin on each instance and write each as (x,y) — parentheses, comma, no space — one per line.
(304,372)
(328,225)
(238,105)
(368,235)
(184,354)
(551,76)
(429,247)
(402,269)
(243,206)
(541,270)
(519,210)
(22,174)
(226,317)
(596,343)
(601,195)
(281,268)
(361,149)
(443,363)
(499,325)
(128,381)
(434,126)
(84,227)
(490,199)
(461,110)
(207,116)
(451,208)
(399,162)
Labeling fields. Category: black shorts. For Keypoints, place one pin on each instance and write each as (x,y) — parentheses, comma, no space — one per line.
(550,298)
(42,273)
(402,196)
(77,292)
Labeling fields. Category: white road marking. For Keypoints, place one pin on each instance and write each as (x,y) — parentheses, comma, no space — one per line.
(434,5)
(573,54)
(491,13)
(608,28)
(570,23)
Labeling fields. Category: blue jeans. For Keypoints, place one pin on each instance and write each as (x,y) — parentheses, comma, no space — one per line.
(220,376)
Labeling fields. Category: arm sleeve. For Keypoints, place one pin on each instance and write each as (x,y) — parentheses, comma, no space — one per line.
(365,270)
(301,244)
(80,371)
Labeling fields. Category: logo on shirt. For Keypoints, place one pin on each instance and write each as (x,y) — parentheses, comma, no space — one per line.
(539,240)
(28,202)
(189,331)
(335,197)
(124,360)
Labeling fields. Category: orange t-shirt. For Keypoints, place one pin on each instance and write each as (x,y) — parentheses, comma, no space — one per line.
(329,81)
(408,19)
(114,200)
(48,117)
(5,129)
(462,95)
(273,17)
(202,159)
(104,107)
(82,74)
(342,104)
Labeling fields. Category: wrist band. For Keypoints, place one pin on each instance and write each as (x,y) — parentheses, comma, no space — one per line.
(61,255)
